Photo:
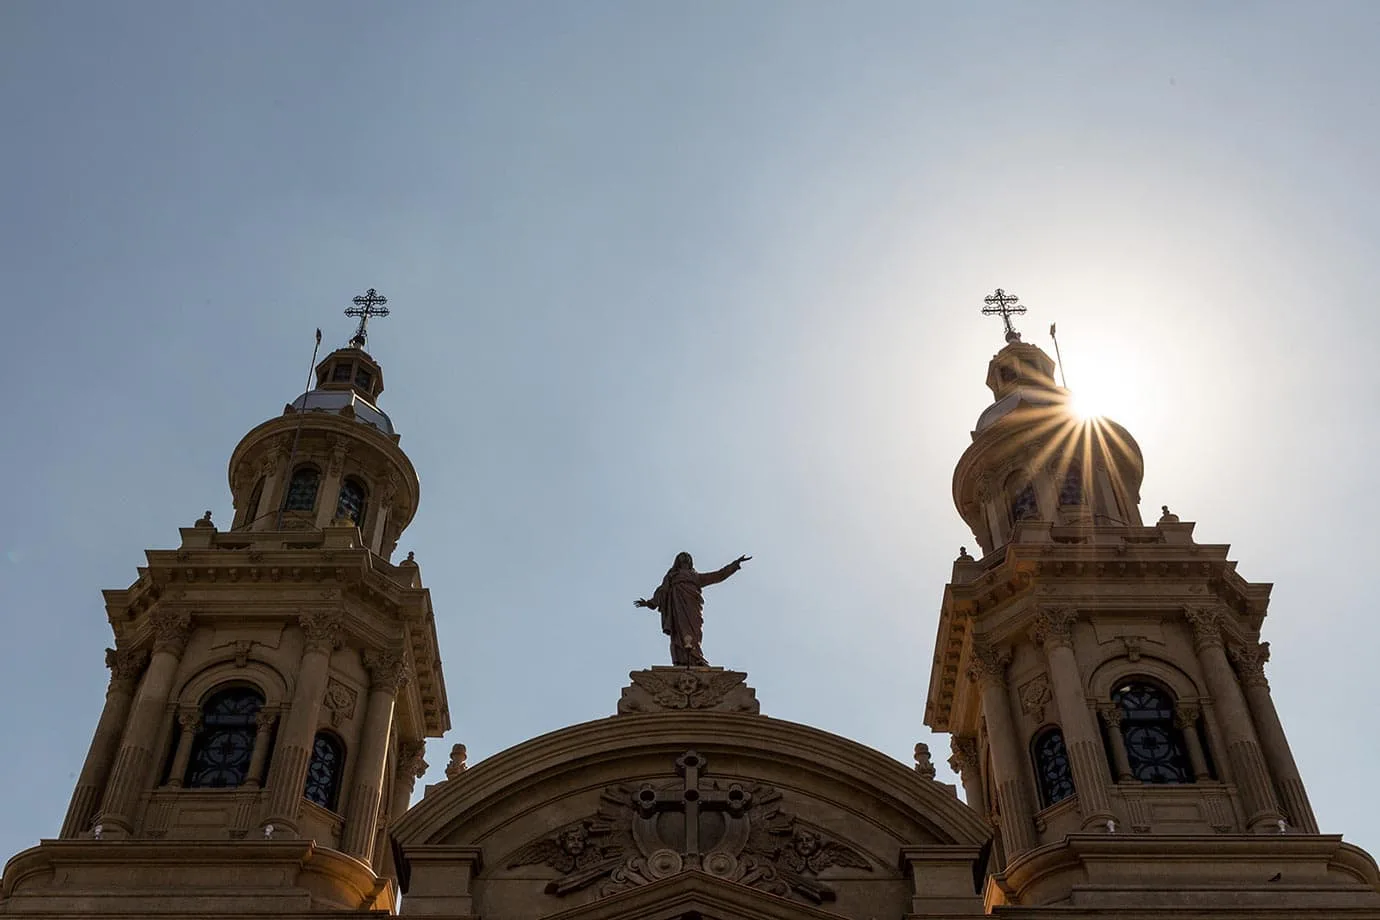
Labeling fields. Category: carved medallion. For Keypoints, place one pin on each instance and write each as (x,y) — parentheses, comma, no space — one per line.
(732,831)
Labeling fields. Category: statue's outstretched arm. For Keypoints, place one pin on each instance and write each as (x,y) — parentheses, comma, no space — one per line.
(713,578)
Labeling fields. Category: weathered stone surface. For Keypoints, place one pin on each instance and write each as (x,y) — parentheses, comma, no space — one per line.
(670,689)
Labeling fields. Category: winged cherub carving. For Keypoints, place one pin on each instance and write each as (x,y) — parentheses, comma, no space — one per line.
(800,853)
(583,852)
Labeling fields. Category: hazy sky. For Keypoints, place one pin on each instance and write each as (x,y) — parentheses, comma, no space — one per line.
(700,276)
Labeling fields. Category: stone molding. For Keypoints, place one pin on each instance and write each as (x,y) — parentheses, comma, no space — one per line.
(784,743)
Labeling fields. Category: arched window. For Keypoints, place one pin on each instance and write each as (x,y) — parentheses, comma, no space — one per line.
(1021,492)
(252,507)
(1154,746)
(301,491)
(1071,487)
(324,770)
(352,502)
(1052,767)
(223,747)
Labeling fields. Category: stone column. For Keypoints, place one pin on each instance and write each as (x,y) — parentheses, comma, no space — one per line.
(263,737)
(965,763)
(1053,630)
(130,775)
(125,667)
(388,673)
(190,722)
(329,496)
(1243,750)
(411,767)
(1113,714)
(1186,721)
(271,468)
(1250,665)
(287,776)
(988,670)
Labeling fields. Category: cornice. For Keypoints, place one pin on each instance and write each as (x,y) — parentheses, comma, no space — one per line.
(1095,578)
(567,751)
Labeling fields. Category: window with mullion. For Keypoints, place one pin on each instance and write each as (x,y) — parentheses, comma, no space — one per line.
(1154,746)
(225,743)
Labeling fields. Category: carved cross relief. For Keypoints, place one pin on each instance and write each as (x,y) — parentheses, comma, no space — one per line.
(736,833)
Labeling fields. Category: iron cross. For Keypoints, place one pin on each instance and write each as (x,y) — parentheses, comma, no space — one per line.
(370,303)
(1000,303)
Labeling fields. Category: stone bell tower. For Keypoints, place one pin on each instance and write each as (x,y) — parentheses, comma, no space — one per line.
(1102,682)
(272,687)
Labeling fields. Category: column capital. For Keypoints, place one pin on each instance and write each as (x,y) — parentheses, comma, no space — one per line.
(1250,663)
(1186,716)
(322,629)
(388,671)
(171,630)
(1112,714)
(987,664)
(1053,627)
(264,718)
(126,665)
(189,719)
(964,750)
(412,764)
(1207,627)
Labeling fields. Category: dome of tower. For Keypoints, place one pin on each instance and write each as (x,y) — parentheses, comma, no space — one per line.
(347,403)
(1025,397)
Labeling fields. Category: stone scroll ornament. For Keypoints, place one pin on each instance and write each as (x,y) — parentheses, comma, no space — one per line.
(732,831)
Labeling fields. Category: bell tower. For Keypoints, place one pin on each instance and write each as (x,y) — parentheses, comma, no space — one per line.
(273,684)
(1102,680)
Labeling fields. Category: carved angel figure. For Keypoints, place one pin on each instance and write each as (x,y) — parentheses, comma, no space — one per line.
(688,690)
(574,852)
(800,853)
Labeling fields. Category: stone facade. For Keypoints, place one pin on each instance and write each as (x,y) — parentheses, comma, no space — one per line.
(1102,680)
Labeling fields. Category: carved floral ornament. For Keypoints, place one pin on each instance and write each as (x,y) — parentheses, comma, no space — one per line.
(322,628)
(1035,694)
(171,630)
(1250,663)
(1053,627)
(339,702)
(388,671)
(964,751)
(987,664)
(733,831)
(126,665)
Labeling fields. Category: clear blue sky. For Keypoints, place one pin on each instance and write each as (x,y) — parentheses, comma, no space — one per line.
(687,276)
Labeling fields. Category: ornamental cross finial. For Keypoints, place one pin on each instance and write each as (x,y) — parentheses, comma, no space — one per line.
(1000,303)
(370,303)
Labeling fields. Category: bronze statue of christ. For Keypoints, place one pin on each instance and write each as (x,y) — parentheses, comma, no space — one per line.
(681,604)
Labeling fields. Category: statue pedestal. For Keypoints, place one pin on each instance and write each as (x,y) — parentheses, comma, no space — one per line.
(676,689)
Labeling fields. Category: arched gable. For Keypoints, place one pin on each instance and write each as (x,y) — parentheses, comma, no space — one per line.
(582,814)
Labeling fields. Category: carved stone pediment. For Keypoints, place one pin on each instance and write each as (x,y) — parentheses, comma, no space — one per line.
(730,831)
(670,689)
